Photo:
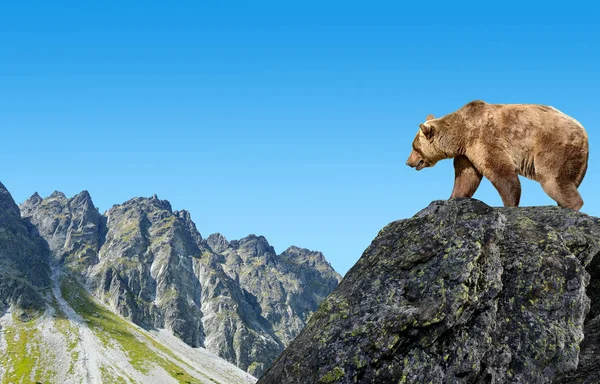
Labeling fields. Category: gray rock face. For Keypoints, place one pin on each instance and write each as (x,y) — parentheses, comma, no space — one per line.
(288,287)
(72,227)
(238,299)
(460,293)
(145,269)
(24,257)
(235,328)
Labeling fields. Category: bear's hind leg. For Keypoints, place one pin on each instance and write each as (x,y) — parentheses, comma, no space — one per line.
(566,195)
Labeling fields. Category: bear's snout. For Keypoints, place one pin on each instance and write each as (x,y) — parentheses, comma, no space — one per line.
(415,161)
(419,165)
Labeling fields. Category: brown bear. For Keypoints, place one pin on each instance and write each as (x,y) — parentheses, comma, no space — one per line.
(502,141)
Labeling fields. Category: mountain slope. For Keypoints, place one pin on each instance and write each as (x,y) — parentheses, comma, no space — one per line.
(79,340)
(150,264)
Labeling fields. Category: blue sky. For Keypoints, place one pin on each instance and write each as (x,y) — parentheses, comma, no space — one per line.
(288,119)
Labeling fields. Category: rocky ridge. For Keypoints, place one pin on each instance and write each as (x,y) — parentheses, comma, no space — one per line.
(53,331)
(238,299)
(461,293)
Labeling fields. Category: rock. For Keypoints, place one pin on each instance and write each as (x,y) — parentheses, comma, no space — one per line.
(235,328)
(145,269)
(284,289)
(460,293)
(217,242)
(72,227)
(24,261)
(289,287)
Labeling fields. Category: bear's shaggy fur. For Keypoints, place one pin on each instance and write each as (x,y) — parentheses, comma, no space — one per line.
(502,141)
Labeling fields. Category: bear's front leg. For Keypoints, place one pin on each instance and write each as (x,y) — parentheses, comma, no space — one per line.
(466,178)
(506,181)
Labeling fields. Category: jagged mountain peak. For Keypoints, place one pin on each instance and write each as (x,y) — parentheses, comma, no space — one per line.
(83,196)
(253,246)
(33,199)
(57,195)
(72,227)
(146,202)
(299,252)
(58,201)
(298,255)
(150,220)
(150,264)
(296,249)
(217,242)
(186,219)
(183,214)
(7,204)
(217,236)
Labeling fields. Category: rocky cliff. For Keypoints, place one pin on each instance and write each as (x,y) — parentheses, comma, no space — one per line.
(24,270)
(288,287)
(238,299)
(70,226)
(461,293)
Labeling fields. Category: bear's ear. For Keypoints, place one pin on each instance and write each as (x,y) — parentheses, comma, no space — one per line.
(429,117)
(427,130)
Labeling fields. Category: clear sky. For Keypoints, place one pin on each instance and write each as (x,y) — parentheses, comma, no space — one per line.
(292,120)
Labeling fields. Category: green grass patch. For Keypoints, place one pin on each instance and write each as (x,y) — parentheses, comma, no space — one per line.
(23,355)
(19,358)
(128,229)
(110,329)
(110,376)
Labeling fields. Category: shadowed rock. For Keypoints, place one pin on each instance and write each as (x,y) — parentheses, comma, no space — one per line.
(24,257)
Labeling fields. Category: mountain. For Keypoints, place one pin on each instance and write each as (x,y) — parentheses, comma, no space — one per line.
(24,270)
(53,331)
(150,265)
(461,293)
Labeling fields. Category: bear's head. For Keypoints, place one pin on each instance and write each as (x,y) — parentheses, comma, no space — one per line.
(424,151)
